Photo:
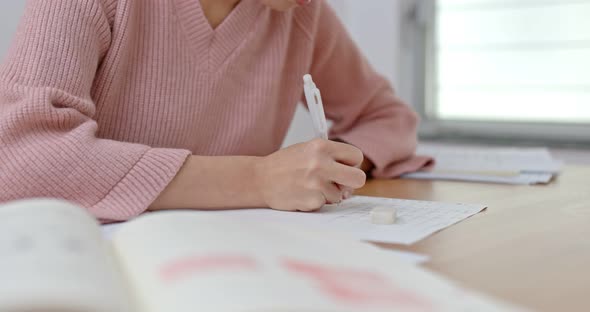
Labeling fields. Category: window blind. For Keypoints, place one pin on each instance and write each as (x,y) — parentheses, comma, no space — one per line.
(512,60)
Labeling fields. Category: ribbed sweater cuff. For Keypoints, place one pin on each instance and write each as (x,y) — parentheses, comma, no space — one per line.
(365,141)
(141,185)
(390,159)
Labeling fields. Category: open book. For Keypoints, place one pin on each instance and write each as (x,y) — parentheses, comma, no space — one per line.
(53,258)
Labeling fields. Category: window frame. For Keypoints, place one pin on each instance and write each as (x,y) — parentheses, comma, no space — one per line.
(418,66)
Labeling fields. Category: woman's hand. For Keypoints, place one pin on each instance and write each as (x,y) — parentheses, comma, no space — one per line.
(305,176)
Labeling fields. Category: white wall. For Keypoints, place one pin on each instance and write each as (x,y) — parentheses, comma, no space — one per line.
(374,24)
(10,12)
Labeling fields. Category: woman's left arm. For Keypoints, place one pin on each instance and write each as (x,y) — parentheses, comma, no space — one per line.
(361,103)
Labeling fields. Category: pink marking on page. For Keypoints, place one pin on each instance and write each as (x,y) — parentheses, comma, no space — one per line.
(184,267)
(358,287)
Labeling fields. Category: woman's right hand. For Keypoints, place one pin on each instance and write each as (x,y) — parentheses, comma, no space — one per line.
(305,176)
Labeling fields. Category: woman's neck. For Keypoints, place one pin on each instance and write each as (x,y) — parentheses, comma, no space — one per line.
(217,10)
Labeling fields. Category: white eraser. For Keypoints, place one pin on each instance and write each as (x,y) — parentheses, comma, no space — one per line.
(383,215)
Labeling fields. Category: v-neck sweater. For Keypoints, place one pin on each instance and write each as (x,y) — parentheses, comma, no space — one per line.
(102,101)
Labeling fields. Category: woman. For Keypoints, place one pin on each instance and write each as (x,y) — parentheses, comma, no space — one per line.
(127,105)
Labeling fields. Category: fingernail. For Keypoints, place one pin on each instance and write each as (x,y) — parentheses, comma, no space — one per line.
(303,2)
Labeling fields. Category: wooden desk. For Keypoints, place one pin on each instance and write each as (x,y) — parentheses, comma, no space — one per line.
(530,247)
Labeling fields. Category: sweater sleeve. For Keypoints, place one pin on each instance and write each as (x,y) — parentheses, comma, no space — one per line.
(361,103)
(48,142)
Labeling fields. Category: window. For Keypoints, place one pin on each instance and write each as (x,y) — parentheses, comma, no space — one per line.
(502,68)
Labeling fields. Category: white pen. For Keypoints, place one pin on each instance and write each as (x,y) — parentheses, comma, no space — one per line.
(316,107)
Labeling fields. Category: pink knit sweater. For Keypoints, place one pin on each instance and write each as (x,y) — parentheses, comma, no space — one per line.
(101,101)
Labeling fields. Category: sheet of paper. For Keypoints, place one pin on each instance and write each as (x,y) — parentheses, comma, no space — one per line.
(526,178)
(491,160)
(416,220)
(108,230)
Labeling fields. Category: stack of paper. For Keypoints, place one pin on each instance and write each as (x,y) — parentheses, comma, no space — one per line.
(496,165)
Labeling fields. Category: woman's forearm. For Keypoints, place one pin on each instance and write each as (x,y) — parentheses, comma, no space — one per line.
(301,177)
(216,183)
(212,183)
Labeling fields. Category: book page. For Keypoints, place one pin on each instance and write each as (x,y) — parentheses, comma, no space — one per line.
(53,258)
(188,261)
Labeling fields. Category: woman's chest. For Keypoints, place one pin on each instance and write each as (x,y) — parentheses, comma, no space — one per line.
(170,94)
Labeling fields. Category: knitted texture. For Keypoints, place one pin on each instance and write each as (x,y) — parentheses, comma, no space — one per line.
(102,101)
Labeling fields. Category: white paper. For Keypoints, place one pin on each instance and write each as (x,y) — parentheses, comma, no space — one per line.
(53,258)
(409,257)
(493,165)
(498,160)
(416,220)
(526,178)
(108,230)
(194,261)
